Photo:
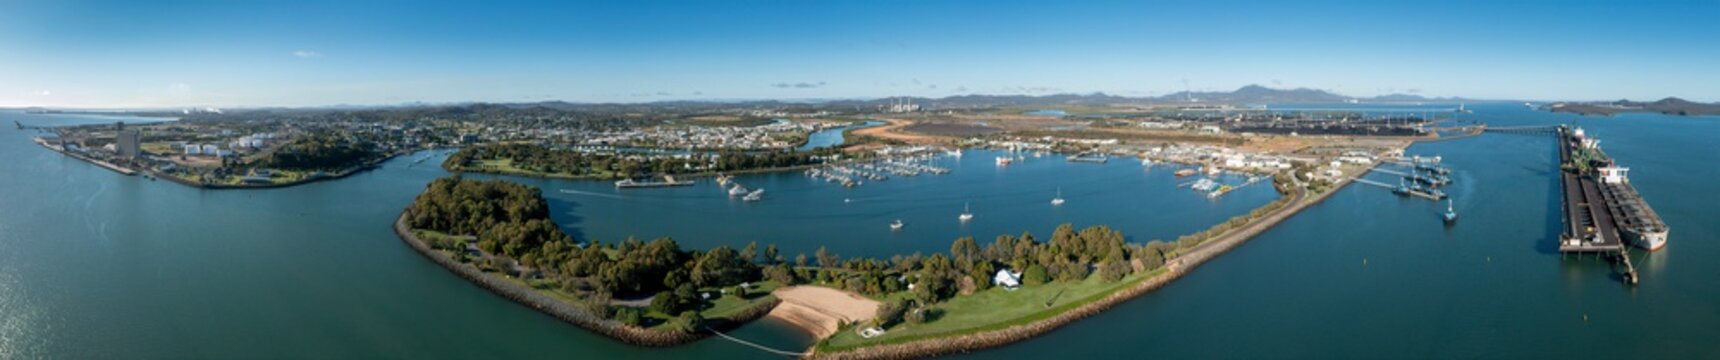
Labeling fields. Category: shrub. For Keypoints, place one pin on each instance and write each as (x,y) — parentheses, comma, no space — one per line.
(688,322)
(1035,275)
(630,315)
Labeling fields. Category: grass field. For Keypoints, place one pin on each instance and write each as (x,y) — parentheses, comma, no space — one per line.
(506,167)
(995,308)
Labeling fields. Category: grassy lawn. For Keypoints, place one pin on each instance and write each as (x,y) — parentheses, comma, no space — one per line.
(730,304)
(995,308)
(506,167)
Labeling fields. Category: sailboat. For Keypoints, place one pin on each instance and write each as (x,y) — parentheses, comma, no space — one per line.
(896,225)
(966,214)
(1059,199)
(1450,212)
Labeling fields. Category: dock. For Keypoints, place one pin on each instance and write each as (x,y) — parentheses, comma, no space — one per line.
(1602,213)
(75,155)
(1088,158)
(668,181)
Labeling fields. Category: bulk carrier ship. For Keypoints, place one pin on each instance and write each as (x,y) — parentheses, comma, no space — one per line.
(1636,222)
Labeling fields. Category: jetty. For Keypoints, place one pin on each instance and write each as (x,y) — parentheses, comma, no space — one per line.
(1602,213)
(1088,158)
(668,181)
(77,155)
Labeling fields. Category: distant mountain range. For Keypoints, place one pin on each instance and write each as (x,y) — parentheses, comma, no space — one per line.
(1670,106)
(1246,95)
(1251,94)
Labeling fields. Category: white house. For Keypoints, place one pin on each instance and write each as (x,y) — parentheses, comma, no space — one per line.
(1007,279)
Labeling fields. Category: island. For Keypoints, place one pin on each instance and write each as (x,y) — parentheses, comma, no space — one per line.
(499,235)
(1669,106)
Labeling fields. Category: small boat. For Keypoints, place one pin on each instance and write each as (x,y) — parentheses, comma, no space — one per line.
(1204,185)
(1146,162)
(738,190)
(895,226)
(957,153)
(1004,160)
(723,179)
(755,195)
(966,214)
(1057,201)
(1450,212)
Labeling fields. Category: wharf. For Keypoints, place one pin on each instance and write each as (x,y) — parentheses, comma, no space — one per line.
(668,181)
(103,164)
(1084,158)
(1589,225)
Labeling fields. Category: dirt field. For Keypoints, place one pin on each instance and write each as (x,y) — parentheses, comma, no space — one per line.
(819,310)
(957,130)
(893,131)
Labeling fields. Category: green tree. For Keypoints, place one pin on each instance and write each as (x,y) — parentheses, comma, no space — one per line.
(631,316)
(688,322)
(1035,275)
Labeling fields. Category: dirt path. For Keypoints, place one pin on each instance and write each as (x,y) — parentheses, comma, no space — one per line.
(819,310)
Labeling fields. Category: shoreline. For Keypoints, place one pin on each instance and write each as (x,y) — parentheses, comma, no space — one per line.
(128,171)
(1175,269)
(568,312)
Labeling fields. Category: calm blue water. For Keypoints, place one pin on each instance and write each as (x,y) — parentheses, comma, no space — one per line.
(800,214)
(102,265)
(831,137)
(98,265)
(1492,286)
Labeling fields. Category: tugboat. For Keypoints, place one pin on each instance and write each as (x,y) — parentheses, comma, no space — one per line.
(1450,212)
(1058,201)
(966,214)
(896,226)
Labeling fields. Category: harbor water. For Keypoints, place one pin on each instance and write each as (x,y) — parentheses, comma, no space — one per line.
(99,265)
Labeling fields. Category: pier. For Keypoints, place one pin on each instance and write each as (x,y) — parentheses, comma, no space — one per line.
(668,181)
(1596,219)
(1088,158)
(1588,226)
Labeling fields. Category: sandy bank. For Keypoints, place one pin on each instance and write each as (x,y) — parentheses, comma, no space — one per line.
(821,310)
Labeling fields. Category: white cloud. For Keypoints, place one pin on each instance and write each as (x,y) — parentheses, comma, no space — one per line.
(306,54)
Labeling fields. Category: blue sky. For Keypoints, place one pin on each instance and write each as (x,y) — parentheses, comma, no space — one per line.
(305,53)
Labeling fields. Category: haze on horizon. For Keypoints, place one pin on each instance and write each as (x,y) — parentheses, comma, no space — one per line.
(320,52)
